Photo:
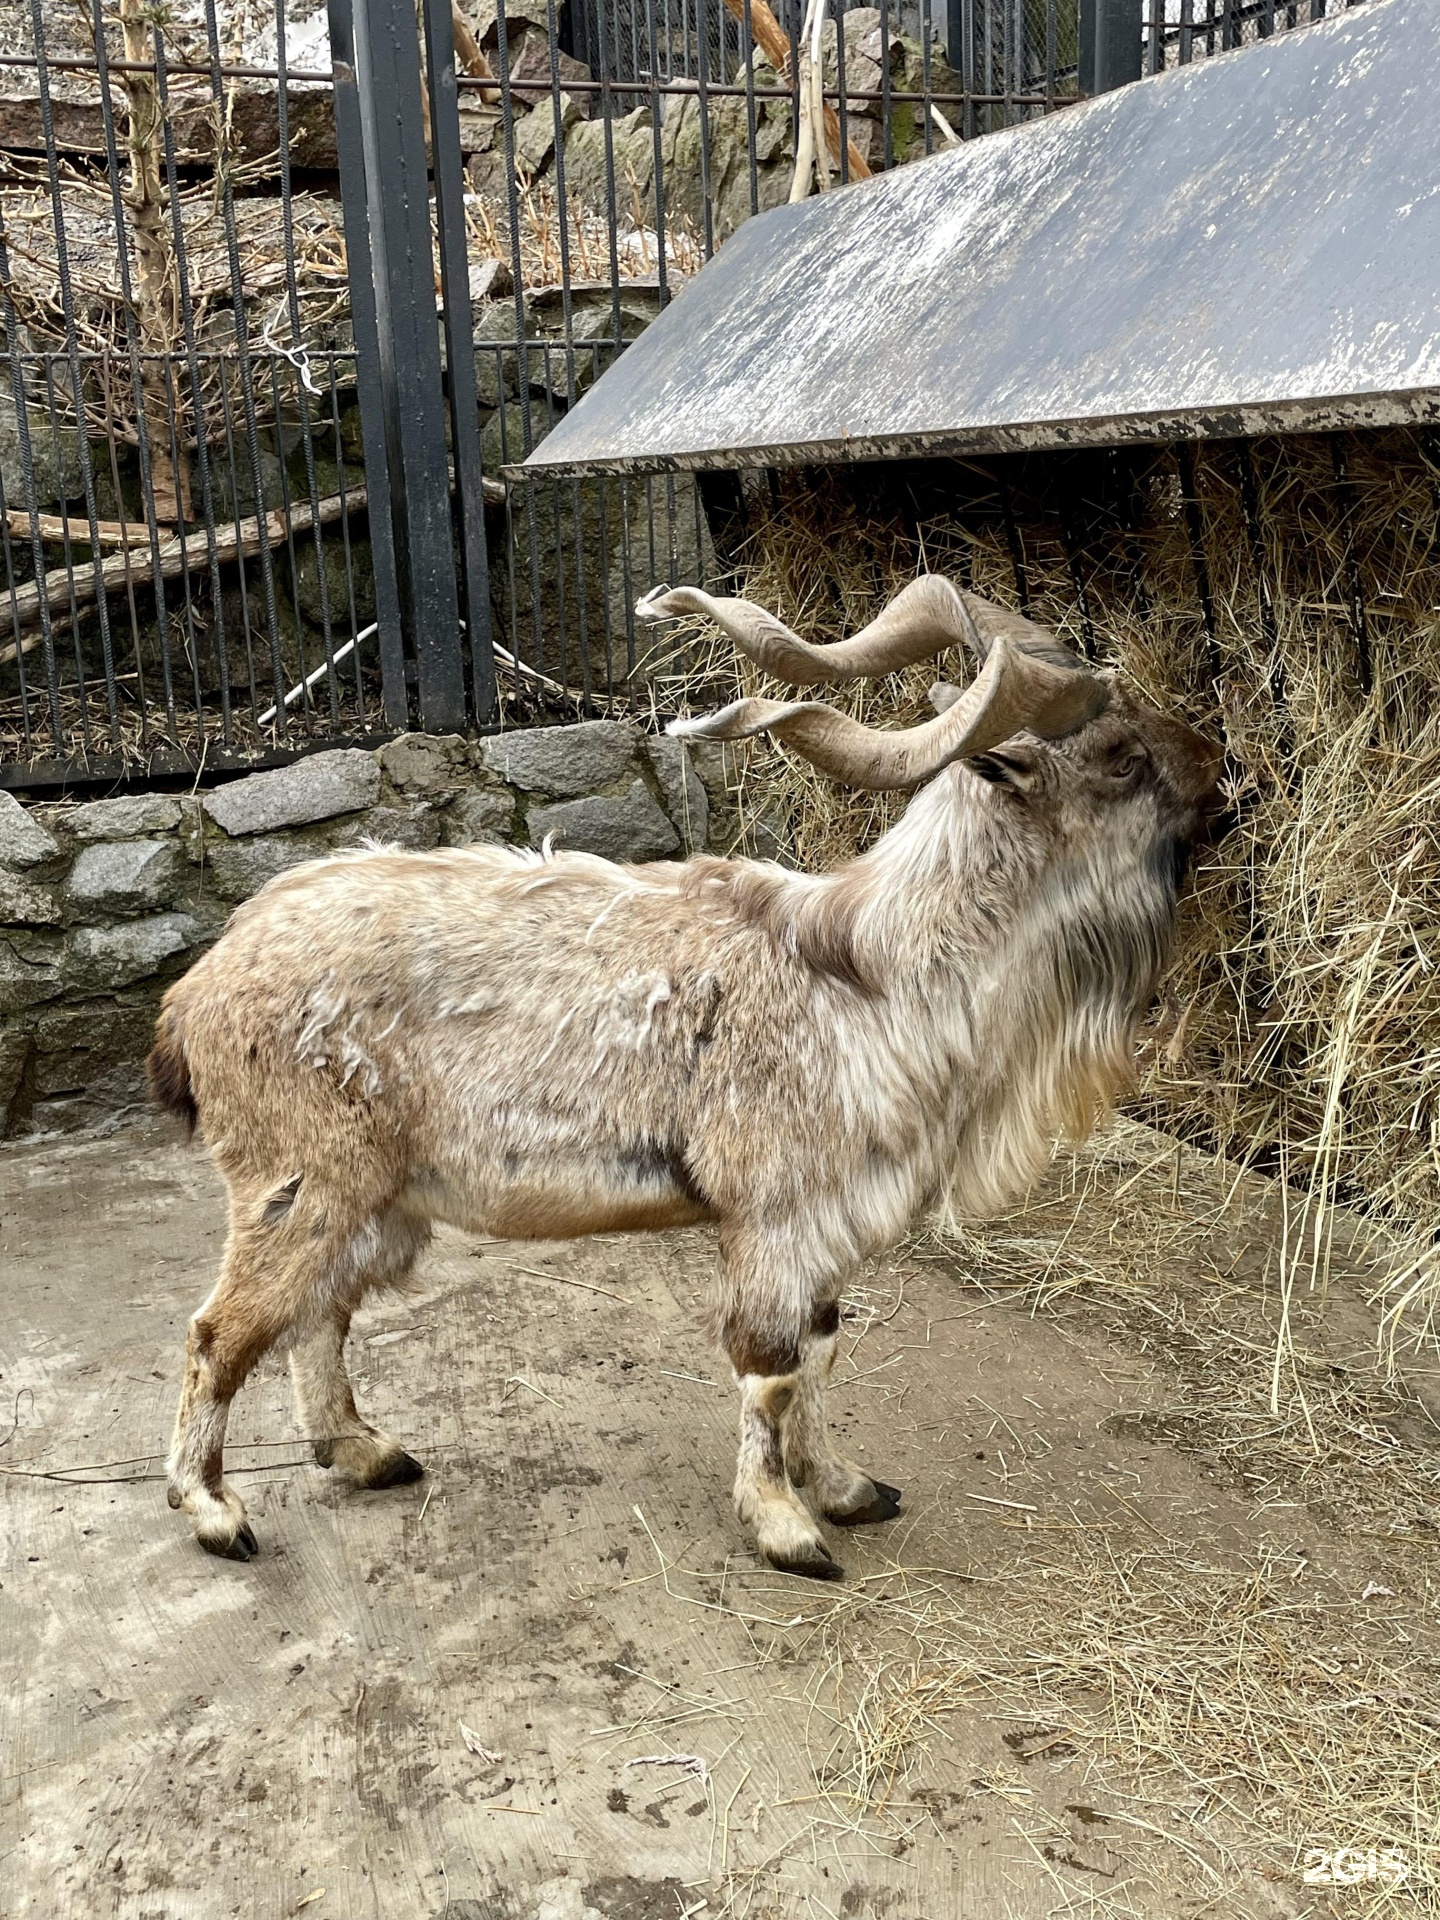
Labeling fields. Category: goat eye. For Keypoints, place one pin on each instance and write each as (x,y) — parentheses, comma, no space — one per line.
(1126,765)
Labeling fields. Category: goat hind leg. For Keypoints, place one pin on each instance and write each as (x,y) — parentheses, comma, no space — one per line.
(240,1321)
(325,1401)
(845,1494)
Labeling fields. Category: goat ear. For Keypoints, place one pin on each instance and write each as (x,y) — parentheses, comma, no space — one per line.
(1011,766)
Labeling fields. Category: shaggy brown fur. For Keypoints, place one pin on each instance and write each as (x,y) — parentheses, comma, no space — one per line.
(529,1045)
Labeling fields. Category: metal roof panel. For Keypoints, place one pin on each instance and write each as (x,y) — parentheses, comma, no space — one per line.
(1249,244)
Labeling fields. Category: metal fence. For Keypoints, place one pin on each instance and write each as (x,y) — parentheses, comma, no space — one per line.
(280,298)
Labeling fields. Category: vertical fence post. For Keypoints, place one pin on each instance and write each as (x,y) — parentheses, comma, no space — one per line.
(1110,49)
(402,406)
(460,345)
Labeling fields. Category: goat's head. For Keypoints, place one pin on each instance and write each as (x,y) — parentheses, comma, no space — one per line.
(1060,759)
(1094,772)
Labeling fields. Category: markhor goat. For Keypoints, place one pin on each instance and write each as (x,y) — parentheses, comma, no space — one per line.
(547,1045)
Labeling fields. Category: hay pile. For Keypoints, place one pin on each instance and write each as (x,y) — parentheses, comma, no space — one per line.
(1289,594)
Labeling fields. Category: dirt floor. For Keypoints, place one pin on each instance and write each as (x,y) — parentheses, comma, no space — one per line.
(1155,1634)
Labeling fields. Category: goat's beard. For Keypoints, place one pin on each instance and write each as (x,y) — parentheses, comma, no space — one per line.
(1069,1059)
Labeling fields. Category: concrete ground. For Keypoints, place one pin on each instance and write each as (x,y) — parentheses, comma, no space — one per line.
(549,1681)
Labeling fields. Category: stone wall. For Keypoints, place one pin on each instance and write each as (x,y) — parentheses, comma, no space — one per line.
(103,904)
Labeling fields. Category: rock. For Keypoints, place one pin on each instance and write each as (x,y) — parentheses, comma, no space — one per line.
(478,818)
(714,762)
(489,280)
(411,828)
(29,971)
(532,69)
(55,460)
(344,780)
(502,439)
(630,829)
(124,876)
(14,1057)
(426,763)
(685,798)
(239,868)
(104,959)
(87,1063)
(497,374)
(564,761)
(232,484)
(125,818)
(23,904)
(340,585)
(536,134)
(23,841)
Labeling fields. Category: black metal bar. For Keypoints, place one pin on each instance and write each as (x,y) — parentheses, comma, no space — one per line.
(365,326)
(387,65)
(1264,591)
(1074,562)
(247,383)
(300,361)
(1109,44)
(1195,533)
(67,304)
(1014,543)
(1354,593)
(27,484)
(459,347)
(197,391)
(142,432)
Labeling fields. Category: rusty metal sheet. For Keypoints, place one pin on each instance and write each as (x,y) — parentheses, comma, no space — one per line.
(1247,245)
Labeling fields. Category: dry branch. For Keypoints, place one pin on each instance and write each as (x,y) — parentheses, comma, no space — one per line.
(53,526)
(236,542)
(774,43)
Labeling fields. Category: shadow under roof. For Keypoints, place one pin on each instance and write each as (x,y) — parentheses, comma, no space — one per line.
(1247,245)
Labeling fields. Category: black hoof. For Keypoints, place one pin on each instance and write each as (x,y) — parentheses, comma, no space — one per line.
(243,1547)
(884,1506)
(813,1566)
(399,1472)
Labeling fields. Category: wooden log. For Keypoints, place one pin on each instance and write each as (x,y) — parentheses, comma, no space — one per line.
(774,43)
(133,567)
(177,556)
(54,527)
(471,56)
(254,124)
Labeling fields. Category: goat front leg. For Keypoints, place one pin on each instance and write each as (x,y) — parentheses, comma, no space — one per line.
(325,1402)
(844,1492)
(761,1330)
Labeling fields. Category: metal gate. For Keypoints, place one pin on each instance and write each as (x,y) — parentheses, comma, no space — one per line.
(283,298)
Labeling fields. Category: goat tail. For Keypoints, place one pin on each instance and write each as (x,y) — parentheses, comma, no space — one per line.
(168,1070)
